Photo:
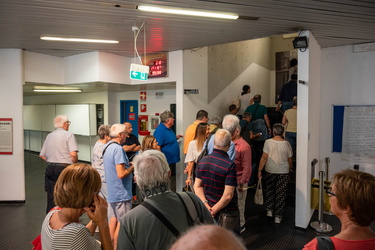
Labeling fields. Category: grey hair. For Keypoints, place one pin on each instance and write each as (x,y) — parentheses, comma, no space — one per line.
(246,114)
(230,123)
(151,169)
(216,120)
(116,129)
(222,138)
(278,129)
(165,116)
(103,130)
(59,121)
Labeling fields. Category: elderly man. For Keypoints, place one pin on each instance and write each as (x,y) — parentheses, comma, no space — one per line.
(243,169)
(202,116)
(119,177)
(216,181)
(167,140)
(208,237)
(97,156)
(140,228)
(230,123)
(59,150)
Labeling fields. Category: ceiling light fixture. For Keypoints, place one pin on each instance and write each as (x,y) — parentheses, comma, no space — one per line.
(189,12)
(56,89)
(76,40)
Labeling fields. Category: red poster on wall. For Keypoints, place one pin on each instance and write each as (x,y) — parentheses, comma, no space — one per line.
(143,95)
(143,107)
(131,116)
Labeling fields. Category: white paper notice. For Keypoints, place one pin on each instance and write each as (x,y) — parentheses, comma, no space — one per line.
(6,136)
(358,137)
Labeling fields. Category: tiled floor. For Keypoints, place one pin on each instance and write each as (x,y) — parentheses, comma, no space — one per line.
(21,223)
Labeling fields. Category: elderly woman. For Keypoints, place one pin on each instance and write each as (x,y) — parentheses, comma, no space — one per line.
(277,161)
(352,200)
(76,192)
(149,142)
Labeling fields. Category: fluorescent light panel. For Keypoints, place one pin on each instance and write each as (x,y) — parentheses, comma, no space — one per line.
(77,40)
(189,12)
(56,89)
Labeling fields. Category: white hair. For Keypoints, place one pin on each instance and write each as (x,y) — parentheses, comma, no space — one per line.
(151,169)
(230,123)
(222,138)
(116,129)
(59,121)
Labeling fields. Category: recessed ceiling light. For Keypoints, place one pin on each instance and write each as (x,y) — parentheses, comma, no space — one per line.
(189,12)
(77,40)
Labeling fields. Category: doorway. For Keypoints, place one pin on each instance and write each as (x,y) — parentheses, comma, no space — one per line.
(129,113)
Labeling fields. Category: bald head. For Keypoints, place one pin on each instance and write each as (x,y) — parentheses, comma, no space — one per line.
(208,237)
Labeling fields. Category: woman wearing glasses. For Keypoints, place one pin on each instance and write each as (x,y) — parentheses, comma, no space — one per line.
(352,200)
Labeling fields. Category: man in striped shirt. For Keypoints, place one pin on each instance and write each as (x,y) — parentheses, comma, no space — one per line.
(216,177)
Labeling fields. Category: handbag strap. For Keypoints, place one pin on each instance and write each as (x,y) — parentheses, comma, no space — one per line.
(162,218)
(259,186)
(325,243)
(109,144)
(190,207)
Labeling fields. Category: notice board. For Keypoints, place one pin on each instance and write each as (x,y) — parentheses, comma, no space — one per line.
(354,132)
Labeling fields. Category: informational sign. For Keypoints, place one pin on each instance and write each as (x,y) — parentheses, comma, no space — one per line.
(358,137)
(191,91)
(6,136)
(139,72)
(157,63)
(143,96)
(143,107)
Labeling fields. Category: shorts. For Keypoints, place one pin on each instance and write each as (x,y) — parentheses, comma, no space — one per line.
(119,209)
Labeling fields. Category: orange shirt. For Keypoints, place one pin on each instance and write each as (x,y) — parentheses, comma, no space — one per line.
(189,135)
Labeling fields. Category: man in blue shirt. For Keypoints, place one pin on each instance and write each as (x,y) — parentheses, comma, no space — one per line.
(230,123)
(167,140)
(119,177)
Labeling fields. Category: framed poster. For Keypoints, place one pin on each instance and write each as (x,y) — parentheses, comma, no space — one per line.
(6,136)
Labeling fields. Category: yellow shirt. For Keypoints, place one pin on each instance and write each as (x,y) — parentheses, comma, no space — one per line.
(291,115)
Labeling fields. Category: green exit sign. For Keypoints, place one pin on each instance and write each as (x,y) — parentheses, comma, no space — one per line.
(139,72)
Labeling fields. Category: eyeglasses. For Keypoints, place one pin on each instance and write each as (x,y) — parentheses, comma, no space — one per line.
(69,122)
(329,192)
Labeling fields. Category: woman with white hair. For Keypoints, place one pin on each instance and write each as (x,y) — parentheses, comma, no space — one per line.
(140,228)
(277,161)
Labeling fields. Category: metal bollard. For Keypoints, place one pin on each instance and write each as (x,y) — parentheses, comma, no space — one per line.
(319,225)
(327,167)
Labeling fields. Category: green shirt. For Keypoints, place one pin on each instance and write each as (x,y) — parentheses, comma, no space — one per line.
(260,111)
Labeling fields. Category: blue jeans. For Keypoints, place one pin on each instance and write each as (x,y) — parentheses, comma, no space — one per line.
(291,137)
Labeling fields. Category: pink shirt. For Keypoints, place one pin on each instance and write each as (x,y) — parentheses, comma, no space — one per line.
(341,244)
(242,161)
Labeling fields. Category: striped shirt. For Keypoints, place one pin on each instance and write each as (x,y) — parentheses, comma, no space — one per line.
(71,236)
(216,171)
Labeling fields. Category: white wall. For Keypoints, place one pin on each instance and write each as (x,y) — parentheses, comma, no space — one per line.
(43,68)
(308,126)
(252,65)
(347,79)
(12,171)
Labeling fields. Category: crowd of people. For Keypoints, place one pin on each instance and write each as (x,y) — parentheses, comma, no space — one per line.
(127,191)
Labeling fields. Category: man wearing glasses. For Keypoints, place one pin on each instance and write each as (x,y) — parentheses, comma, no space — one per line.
(59,150)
